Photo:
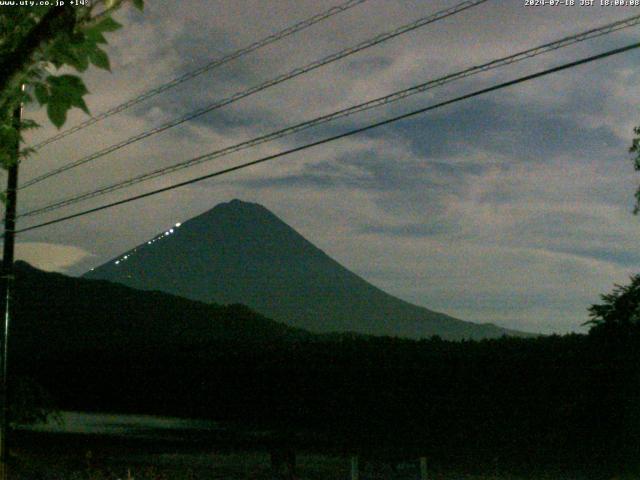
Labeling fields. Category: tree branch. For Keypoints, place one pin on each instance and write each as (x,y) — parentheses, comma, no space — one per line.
(55,21)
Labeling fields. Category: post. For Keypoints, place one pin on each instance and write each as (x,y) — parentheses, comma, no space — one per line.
(355,474)
(424,473)
(7,283)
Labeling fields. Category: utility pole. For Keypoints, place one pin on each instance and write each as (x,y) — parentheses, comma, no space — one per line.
(7,283)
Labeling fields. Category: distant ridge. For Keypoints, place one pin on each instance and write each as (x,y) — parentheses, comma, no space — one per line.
(58,313)
(240,252)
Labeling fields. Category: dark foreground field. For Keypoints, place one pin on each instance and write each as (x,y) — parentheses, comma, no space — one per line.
(527,406)
(93,457)
(214,465)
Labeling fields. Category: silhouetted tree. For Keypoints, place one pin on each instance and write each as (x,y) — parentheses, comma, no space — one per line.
(620,309)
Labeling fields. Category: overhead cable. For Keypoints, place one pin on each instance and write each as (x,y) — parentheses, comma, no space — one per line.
(263,86)
(242,166)
(387,99)
(290,30)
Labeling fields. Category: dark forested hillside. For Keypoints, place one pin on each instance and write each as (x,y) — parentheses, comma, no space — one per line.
(567,402)
(59,313)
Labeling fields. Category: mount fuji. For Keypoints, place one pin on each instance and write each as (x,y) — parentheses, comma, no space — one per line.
(240,252)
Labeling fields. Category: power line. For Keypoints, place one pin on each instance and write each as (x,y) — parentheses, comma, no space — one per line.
(263,86)
(290,30)
(340,136)
(393,97)
(349,111)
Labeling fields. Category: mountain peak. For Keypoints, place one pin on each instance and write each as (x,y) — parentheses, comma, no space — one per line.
(240,252)
(238,204)
(238,208)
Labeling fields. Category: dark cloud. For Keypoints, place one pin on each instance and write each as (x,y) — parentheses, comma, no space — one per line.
(368,66)
(368,170)
(527,133)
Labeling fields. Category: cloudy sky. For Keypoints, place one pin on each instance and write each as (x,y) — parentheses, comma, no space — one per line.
(514,207)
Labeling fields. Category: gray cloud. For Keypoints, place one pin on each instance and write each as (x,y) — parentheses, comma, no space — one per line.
(51,257)
(512,208)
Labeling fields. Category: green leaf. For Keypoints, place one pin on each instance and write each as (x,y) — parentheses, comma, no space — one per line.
(66,91)
(79,102)
(100,59)
(28,124)
(64,51)
(81,61)
(8,135)
(77,38)
(139,4)
(27,152)
(57,111)
(5,161)
(95,37)
(71,85)
(42,93)
(106,25)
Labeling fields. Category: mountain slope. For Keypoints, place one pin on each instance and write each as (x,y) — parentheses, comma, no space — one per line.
(56,313)
(240,252)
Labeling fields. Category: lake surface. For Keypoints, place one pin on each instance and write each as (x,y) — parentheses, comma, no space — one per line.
(131,426)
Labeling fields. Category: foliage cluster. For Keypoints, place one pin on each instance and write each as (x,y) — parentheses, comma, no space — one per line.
(38,46)
(619,311)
